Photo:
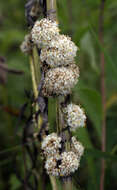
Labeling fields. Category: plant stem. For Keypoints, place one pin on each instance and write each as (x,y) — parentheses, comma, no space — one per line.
(70,16)
(51,9)
(53,183)
(51,14)
(33,77)
(58,116)
(103,93)
(67,185)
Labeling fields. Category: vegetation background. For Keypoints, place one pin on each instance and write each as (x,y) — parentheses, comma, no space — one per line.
(80,20)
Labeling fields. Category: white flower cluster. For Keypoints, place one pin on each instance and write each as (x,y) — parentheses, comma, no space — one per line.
(61,52)
(51,144)
(61,164)
(77,147)
(60,80)
(64,165)
(58,52)
(69,163)
(26,45)
(51,166)
(44,31)
(74,116)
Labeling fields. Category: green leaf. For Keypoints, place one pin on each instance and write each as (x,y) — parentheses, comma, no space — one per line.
(99,154)
(15,184)
(91,101)
(83,137)
(86,46)
(110,66)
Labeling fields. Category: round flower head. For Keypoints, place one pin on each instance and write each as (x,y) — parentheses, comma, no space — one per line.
(60,80)
(44,31)
(61,52)
(77,147)
(26,45)
(69,163)
(51,144)
(51,166)
(74,116)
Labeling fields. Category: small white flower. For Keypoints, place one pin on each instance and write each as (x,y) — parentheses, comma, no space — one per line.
(61,51)
(74,116)
(77,147)
(60,80)
(69,163)
(26,45)
(51,144)
(51,166)
(44,31)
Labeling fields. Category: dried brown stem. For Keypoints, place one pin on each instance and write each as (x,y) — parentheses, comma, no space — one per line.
(103,92)
(51,14)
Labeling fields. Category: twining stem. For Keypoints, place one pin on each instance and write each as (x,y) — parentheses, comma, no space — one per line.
(103,93)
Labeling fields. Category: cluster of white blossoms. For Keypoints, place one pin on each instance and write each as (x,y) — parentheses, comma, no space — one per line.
(51,166)
(60,80)
(51,144)
(44,31)
(64,165)
(74,116)
(58,52)
(69,163)
(61,52)
(77,147)
(57,163)
(26,45)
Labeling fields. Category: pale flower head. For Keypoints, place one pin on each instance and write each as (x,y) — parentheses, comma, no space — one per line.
(60,80)
(74,116)
(44,31)
(26,45)
(61,51)
(69,163)
(51,145)
(77,147)
(51,166)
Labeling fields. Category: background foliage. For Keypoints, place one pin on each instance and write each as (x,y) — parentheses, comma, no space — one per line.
(80,20)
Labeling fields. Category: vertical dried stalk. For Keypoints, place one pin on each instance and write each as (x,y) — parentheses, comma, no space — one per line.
(53,183)
(34,67)
(103,93)
(33,77)
(51,9)
(51,14)
(67,185)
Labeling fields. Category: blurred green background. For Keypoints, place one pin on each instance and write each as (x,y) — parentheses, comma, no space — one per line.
(80,20)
